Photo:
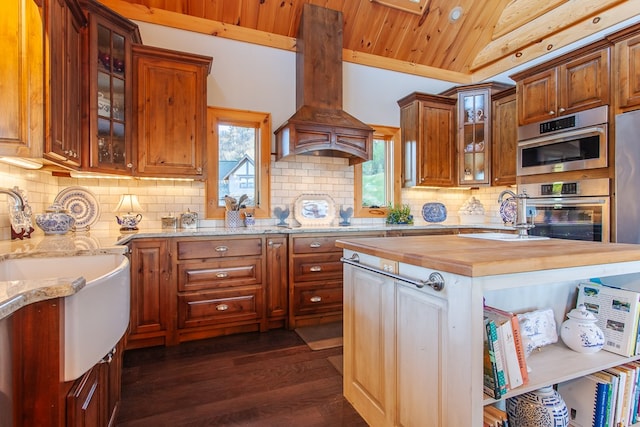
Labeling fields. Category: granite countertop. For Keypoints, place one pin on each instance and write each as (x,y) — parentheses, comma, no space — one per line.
(480,257)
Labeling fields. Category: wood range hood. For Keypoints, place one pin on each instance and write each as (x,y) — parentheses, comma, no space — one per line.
(320,126)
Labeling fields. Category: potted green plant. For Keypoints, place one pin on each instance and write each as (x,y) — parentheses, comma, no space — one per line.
(399,214)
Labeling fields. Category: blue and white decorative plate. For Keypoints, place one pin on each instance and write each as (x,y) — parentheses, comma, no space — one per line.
(82,204)
(508,210)
(434,212)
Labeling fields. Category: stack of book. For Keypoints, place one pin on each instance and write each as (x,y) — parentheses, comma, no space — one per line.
(505,367)
(494,417)
(605,398)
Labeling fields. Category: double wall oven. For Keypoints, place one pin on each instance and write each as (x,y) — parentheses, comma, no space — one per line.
(560,208)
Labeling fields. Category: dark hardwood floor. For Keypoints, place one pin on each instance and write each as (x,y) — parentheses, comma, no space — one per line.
(255,379)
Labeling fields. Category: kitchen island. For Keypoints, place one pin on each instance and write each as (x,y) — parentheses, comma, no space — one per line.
(413,318)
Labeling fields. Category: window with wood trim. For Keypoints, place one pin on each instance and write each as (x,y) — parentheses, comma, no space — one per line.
(238,160)
(377,182)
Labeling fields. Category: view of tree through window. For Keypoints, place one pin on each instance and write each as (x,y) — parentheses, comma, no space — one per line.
(236,162)
(374,180)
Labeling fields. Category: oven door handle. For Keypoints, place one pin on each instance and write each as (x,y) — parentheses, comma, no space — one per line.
(568,201)
(562,136)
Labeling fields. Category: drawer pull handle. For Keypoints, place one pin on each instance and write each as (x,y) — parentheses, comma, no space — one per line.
(315,268)
(315,245)
(222,275)
(222,248)
(222,307)
(315,299)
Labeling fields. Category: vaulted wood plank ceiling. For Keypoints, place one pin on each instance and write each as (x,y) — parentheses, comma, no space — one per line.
(412,36)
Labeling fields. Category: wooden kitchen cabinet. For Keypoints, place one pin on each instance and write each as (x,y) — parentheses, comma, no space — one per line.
(626,70)
(63,23)
(40,398)
(504,137)
(474,138)
(152,294)
(22,110)
(170,96)
(566,85)
(315,278)
(427,126)
(87,400)
(276,281)
(220,286)
(108,89)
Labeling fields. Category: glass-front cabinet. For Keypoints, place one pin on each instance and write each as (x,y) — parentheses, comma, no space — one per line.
(109,88)
(474,141)
(473,147)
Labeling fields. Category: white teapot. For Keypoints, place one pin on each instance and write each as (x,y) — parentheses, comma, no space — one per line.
(580,332)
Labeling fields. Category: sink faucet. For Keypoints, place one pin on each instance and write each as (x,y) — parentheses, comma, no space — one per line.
(19,202)
(521,212)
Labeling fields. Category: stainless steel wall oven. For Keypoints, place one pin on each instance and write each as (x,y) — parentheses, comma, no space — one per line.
(573,142)
(576,210)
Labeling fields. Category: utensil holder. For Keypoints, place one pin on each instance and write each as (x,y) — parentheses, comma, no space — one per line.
(232,219)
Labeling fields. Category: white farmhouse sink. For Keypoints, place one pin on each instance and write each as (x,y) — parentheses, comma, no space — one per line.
(503,237)
(97,316)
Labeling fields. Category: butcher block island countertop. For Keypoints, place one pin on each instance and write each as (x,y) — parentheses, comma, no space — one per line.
(483,257)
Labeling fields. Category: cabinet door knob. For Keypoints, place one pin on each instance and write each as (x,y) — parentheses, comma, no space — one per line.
(222,307)
(561,110)
(130,165)
(315,268)
(315,299)
(315,245)
(222,275)
(551,113)
(222,248)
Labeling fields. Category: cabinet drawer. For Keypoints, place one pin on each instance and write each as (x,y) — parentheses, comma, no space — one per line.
(195,276)
(317,298)
(308,245)
(317,267)
(218,248)
(215,307)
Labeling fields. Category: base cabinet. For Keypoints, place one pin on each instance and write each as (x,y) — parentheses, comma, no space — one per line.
(396,339)
(315,278)
(39,397)
(151,293)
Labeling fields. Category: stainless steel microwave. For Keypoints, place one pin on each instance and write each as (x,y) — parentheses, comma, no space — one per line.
(572,142)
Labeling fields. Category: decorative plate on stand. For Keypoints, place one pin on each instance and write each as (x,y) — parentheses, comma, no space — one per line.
(508,210)
(82,204)
(434,212)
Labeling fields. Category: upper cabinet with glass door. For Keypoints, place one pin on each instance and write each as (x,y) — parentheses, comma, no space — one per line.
(109,88)
(474,132)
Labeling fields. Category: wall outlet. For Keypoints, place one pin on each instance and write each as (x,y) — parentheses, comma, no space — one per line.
(389,266)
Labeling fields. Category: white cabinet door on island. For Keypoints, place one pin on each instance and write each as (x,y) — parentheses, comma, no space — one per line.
(413,354)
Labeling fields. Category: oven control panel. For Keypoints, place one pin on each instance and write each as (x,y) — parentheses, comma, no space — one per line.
(567,189)
(559,189)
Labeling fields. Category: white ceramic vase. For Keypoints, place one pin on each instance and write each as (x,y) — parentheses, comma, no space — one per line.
(580,332)
(539,408)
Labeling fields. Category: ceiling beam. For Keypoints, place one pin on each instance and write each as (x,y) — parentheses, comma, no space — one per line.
(564,18)
(544,46)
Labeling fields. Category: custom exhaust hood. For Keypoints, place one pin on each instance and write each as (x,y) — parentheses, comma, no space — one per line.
(320,126)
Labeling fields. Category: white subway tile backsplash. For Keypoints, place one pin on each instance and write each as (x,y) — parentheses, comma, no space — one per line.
(289,179)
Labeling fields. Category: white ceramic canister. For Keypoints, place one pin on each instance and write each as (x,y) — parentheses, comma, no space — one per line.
(580,332)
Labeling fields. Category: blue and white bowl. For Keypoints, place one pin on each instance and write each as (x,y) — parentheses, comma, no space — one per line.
(55,220)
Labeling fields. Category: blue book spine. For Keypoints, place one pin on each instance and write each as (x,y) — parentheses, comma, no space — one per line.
(602,398)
